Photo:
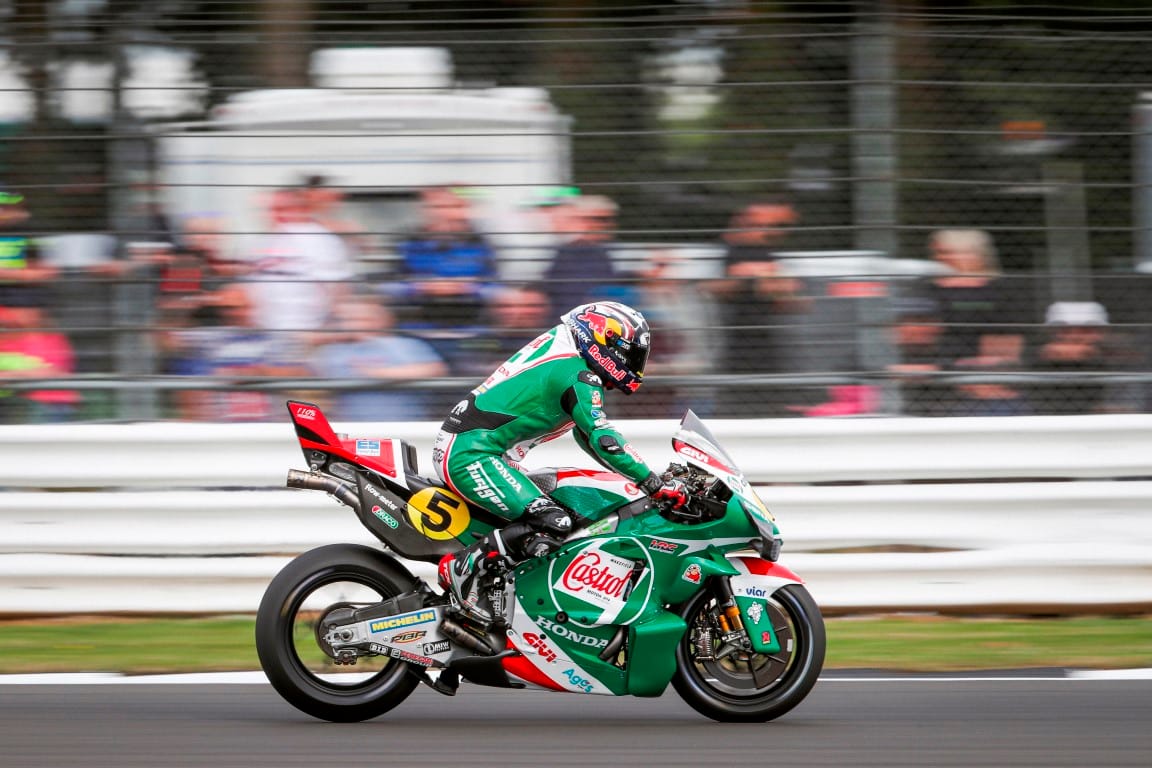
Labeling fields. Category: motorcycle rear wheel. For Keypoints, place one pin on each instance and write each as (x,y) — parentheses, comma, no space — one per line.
(288,643)
(752,687)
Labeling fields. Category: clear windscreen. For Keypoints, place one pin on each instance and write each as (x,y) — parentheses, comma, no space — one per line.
(696,443)
(696,434)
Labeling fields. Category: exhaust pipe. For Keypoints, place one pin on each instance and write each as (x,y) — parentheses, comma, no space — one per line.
(317,482)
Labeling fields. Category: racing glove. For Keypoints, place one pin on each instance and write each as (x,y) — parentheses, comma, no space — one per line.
(670,490)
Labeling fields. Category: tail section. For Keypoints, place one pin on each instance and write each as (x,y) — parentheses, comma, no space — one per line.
(378,478)
(312,426)
(394,459)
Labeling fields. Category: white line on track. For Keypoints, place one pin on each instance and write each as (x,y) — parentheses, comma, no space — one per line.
(257,678)
(114,678)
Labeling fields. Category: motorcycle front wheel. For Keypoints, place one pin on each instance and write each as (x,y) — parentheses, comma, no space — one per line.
(740,686)
(289,637)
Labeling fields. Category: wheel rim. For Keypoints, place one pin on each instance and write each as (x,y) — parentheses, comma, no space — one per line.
(743,677)
(303,619)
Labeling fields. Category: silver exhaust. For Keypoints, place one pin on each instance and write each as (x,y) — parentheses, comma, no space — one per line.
(315,481)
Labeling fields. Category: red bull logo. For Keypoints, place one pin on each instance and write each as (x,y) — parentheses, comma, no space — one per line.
(601,325)
(607,364)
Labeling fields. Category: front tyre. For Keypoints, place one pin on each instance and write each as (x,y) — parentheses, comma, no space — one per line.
(750,687)
(289,646)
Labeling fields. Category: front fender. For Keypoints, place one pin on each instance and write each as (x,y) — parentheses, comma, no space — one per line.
(758,580)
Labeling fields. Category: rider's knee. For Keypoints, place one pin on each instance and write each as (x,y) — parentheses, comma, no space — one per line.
(544,515)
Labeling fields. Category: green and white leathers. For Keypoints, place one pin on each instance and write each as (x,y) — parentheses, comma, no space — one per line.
(540,393)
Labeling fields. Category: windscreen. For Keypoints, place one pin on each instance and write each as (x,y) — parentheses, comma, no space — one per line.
(695,442)
(696,434)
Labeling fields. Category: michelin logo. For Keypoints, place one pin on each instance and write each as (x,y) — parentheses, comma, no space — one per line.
(403,620)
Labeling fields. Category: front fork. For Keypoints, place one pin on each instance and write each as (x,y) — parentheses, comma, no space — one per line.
(733,638)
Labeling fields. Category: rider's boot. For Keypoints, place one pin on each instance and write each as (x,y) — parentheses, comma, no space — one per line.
(463,573)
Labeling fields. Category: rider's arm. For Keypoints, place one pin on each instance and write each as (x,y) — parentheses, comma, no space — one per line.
(584,402)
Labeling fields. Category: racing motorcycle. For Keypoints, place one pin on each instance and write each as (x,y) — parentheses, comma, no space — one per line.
(639,595)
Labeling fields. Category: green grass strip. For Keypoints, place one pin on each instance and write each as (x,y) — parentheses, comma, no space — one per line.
(913,643)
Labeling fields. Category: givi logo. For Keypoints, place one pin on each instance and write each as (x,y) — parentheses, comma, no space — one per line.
(541,646)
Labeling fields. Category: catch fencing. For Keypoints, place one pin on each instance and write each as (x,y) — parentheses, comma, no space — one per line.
(138,178)
(961,516)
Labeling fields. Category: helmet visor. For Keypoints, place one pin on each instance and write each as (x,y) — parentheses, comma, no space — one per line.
(635,355)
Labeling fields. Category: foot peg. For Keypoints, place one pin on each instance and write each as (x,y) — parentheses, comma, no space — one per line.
(448,682)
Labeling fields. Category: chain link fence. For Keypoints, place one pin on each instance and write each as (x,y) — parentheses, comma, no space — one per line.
(824,209)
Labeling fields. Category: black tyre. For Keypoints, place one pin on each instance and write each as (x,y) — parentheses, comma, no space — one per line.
(288,642)
(750,687)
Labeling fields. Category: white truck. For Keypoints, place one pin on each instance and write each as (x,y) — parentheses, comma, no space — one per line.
(381,124)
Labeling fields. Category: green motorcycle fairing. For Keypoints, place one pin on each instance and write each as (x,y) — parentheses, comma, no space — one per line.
(571,604)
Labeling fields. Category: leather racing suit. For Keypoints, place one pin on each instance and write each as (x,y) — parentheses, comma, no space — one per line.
(540,393)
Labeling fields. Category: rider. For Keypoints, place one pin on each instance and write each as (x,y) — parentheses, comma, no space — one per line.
(552,385)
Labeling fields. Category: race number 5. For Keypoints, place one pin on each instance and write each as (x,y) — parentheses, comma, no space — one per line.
(438,513)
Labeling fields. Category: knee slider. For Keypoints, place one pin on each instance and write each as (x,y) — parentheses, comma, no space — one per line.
(546,516)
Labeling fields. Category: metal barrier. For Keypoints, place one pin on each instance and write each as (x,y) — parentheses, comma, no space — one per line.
(194,455)
(153,529)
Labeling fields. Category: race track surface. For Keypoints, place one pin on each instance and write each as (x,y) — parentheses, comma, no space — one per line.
(847,721)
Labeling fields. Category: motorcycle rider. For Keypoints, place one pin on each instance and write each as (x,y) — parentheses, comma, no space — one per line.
(554,384)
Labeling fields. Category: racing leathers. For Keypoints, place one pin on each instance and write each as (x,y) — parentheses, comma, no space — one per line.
(540,393)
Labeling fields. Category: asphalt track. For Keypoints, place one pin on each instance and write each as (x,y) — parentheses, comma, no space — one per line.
(847,721)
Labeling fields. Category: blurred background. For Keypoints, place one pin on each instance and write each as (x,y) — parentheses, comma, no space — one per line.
(825,209)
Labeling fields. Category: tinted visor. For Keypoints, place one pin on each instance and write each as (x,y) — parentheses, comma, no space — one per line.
(635,355)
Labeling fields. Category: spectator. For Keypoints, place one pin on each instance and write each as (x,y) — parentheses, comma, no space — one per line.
(977,305)
(535,223)
(516,315)
(917,338)
(364,347)
(1075,344)
(755,296)
(79,292)
(203,240)
(19,260)
(30,349)
(192,273)
(582,269)
(981,313)
(300,269)
(686,342)
(447,266)
(237,347)
(323,203)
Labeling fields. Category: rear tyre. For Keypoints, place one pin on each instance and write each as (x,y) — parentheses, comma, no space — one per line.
(288,641)
(751,687)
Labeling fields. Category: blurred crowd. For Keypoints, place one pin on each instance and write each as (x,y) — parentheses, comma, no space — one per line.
(364,337)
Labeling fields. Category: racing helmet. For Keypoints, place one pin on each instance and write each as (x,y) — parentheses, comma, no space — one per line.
(613,339)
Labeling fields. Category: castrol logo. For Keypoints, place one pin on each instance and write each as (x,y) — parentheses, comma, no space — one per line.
(596,576)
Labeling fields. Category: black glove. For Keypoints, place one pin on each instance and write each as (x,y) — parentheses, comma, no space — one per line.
(670,490)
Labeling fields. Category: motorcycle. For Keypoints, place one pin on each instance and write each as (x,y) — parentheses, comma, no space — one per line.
(638,596)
